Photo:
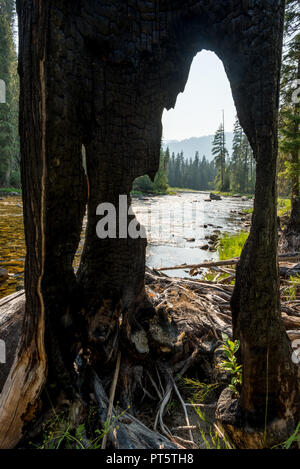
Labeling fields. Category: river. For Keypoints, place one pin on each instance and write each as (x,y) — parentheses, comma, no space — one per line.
(177,227)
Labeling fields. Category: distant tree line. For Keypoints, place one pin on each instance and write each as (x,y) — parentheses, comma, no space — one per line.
(235,174)
(160,184)
(224,173)
(176,171)
(289,115)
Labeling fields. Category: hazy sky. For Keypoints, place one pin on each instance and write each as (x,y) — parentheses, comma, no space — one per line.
(198,110)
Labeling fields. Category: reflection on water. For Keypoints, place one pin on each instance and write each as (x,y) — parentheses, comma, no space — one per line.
(176,229)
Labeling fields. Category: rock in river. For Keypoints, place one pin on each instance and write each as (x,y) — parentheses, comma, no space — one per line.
(3,275)
(214,196)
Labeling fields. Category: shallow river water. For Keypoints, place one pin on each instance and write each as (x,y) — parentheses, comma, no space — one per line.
(176,228)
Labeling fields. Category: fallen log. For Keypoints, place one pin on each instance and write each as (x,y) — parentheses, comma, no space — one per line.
(23,374)
(3,275)
(288,272)
(191,316)
(12,310)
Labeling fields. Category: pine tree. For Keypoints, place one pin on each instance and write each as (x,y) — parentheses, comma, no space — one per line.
(9,140)
(161,177)
(242,162)
(191,174)
(219,152)
(171,171)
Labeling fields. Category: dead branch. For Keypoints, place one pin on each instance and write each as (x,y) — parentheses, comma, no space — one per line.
(112,397)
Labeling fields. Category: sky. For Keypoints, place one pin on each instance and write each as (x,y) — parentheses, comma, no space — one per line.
(198,110)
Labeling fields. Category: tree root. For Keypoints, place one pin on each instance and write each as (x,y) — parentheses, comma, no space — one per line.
(185,331)
(127,432)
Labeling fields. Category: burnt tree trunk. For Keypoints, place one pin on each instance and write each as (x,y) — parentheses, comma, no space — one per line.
(292,232)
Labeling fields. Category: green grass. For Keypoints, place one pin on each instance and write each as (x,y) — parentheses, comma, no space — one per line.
(151,193)
(291,291)
(232,194)
(283,207)
(182,189)
(231,365)
(210,276)
(137,193)
(65,438)
(59,433)
(295,279)
(232,245)
(197,392)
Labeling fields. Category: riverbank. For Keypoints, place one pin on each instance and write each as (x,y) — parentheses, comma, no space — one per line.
(232,245)
(191,317)
(9,191)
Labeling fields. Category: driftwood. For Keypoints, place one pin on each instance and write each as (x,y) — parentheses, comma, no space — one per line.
(288,272)
(3,275)
(11,320)
(127,432)
(112,397)
(288,257)
(23,375)
(212,302)
(130,434)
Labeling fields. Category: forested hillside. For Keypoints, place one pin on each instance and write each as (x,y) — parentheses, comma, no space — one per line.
(162,323)
(226,173)
(289,121)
